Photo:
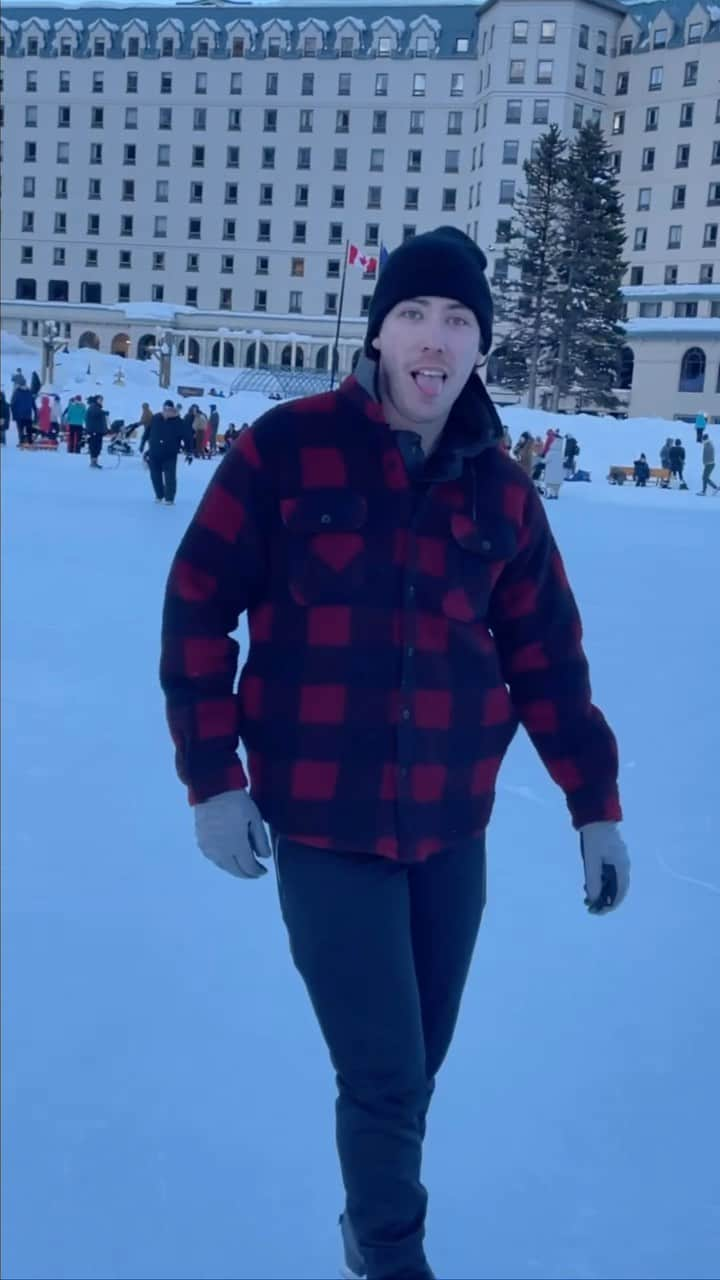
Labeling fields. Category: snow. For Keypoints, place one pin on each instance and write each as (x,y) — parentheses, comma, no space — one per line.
(673,325)
(168,1099)
(425,21)
(654,291)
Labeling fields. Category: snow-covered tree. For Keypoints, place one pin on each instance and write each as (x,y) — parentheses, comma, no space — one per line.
(528,300)
(588,302)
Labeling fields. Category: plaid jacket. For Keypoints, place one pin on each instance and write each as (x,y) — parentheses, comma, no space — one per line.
(399,629)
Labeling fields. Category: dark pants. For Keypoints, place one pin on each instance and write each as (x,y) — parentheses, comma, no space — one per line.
(707,472)
(25,431)
(95,445)
(163,474)
(74,439)
(384,950)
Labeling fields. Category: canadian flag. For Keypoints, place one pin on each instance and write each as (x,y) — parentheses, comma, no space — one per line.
(358,259)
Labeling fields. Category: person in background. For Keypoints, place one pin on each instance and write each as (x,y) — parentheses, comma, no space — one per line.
(164,437)
(96,427)
(44,416)
(24,413)
(700,425)
(554,466)
(524,452)
(708,458)
(18,378)
(665,454)
(75,424)
(55,416)
(231,434)
(641,471)
(677,463)
(35,383)
(572,450)
(551,436)
(200,423)
(4,417)
(213,428)
(506,439)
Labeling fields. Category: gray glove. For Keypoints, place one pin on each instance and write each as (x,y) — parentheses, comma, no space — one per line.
(607,867)
(230,832)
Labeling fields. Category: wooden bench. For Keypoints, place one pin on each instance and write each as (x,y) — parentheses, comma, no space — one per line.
(658,475)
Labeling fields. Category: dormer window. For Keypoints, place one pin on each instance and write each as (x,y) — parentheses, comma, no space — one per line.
(98,47)
(203,48)
(422,46)
(167,47)
(33,46)
(133,47)
(347,46)
(695,33)
(462,44)
(309,46)
(660,36)
(273,47)
(66,48)
(626,44)
(384,46)
(238,47)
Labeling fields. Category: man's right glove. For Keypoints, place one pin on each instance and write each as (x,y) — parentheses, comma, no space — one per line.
(607,867)
(230,832)
(188,458)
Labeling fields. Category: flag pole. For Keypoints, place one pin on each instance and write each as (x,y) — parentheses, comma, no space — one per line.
(335,357)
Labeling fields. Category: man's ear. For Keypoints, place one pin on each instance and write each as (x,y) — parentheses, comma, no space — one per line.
(375,343)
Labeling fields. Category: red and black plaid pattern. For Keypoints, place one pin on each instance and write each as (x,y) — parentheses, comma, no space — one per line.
(398,635)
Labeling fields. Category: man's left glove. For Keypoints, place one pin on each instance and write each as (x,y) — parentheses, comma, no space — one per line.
(607,867)
(188,458)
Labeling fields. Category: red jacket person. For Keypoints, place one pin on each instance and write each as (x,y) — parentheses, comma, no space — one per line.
(407,609)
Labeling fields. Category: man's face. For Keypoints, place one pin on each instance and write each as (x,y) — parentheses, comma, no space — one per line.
(427,348)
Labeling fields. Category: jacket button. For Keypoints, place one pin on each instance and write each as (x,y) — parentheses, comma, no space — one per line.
(406,713)
(486,545)
(326,519)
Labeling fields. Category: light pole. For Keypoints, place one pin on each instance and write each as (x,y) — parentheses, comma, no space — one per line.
(163,352)
(51,343)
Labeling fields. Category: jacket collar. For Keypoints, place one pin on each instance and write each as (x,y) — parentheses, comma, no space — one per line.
(472,427)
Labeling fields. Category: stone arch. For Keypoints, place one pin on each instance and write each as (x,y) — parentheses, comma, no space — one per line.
(89,339)
(286,357)
(120,345)
(322,356)
(144,346)
(355,357)
(692,370)
(263,357)
(193,351)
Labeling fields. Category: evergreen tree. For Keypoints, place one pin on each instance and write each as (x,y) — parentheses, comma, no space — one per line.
(588,310)
(528,301)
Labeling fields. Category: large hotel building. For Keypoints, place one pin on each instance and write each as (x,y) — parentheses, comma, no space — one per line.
(200,168)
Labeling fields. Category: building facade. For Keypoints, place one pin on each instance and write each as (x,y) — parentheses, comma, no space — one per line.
(203,167)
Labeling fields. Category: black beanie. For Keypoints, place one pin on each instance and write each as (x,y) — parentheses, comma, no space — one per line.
(444,263)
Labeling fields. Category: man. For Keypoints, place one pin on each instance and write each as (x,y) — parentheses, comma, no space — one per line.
(96,428)
(708,458)
(164,436)
(213,427)
(24,412)
(76,414)
(407,607)
(677,463)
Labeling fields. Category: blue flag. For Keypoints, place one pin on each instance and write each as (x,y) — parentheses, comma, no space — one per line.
(384,255)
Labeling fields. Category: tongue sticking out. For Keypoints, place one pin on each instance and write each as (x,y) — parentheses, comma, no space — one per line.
(428,385)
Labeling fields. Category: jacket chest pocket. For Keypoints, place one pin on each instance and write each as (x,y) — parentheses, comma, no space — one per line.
(326,546)
(477,556)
